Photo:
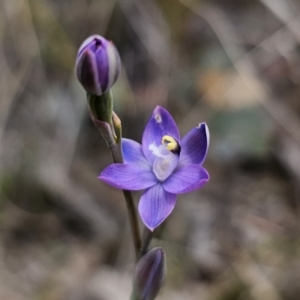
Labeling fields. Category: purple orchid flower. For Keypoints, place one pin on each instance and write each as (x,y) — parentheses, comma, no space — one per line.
(163,165)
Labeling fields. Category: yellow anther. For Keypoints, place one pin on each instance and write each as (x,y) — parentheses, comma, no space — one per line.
(170,143)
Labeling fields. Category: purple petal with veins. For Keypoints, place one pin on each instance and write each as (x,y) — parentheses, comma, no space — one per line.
(194,145)
(87,72)
(186,179)
(160,124)
(155,206)
(128,177)
(133,153)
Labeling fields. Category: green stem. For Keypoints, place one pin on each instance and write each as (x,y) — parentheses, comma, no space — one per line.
(133,218)
(101,109)
(146,240)
(101,106)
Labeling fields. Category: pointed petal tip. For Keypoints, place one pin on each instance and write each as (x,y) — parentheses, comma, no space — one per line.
(208,176)
(158,113)
(159,109)
(205,174)
(199,126)
(100,176)
(155,206)
(151,227)
(194,145)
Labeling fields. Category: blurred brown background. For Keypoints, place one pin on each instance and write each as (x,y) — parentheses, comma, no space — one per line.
(234,64)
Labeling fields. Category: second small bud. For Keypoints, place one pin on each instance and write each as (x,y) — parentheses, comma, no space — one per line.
(149,274)
(98,65)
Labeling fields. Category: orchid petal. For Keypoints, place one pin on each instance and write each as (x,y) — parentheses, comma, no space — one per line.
(186,179)
(194,145)
(128,177)
(133,153)
(160,124)
(87,73)
(155,206)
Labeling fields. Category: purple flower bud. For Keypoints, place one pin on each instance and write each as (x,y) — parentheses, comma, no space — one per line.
(149,274)
(98,65)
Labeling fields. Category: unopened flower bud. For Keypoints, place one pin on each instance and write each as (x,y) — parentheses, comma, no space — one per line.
(98,65)
(149,274)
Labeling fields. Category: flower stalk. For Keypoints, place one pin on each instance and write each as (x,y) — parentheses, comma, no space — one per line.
(101,106)
(109,124)
(147,237)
